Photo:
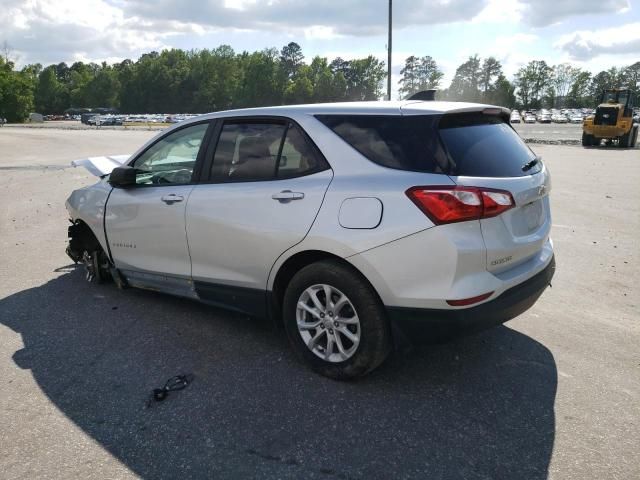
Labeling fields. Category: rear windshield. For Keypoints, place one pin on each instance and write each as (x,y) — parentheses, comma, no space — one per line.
(486,146)
(457,144)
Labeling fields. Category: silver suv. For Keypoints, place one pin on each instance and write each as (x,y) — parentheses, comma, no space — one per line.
(356,225)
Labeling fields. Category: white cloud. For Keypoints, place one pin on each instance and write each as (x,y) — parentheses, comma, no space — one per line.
(320,32)
(57,30)
(500,11)
(67,30)
(541,13)
(587,44)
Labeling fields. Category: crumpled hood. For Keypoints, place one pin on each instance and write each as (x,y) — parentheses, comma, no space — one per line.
(101,166)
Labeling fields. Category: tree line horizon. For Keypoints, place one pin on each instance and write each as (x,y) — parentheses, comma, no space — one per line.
(199,81)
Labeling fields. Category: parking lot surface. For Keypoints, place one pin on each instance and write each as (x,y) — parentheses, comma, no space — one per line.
(553,394)
(549,131)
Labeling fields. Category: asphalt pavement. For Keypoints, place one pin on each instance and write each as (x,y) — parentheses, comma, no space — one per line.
(549,132)
(553,394)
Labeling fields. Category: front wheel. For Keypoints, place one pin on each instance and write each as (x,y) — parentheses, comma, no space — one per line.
(587,140)
(96,266)
(335,321)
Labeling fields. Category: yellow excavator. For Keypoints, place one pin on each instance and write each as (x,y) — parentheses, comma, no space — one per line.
(612,121)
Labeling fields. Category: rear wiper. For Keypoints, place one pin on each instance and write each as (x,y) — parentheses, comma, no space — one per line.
(529,165)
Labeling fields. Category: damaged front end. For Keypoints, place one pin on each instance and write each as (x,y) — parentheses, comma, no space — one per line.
(84,248)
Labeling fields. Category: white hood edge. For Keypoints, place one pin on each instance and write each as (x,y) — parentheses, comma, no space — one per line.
(101,166)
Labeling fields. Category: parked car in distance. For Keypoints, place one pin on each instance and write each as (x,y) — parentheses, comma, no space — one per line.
(575,118)
(529,118)
(515,117)
(356,225)
(544,116)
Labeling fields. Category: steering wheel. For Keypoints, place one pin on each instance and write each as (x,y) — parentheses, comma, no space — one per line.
(182,176)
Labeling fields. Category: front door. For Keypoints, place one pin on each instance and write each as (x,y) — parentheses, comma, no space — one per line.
(145,224)
(267,182)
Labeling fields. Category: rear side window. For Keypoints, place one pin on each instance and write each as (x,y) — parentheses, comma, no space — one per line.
(249,152)
(456,144)
(298,157)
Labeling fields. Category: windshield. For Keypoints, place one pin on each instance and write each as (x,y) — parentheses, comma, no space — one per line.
(615,97)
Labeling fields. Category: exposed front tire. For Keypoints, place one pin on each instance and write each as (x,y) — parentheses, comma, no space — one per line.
(335,321)
(587,140)
(96,266)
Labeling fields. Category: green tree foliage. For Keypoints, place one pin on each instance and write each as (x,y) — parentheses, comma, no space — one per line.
(533,82)
(490,72)
(465,85)
(564,77)
(502,92)
(419,74)
(198,81)
(364,78)
(16,91)
(578,95)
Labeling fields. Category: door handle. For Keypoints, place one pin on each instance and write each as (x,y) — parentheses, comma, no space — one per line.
(171,198)
(287,195)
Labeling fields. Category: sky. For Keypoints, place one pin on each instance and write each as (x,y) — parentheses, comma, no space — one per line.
(592,34)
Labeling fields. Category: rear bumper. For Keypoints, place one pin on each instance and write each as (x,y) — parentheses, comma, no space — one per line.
(415,324)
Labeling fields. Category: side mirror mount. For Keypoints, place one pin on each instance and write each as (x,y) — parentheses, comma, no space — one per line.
(122,177)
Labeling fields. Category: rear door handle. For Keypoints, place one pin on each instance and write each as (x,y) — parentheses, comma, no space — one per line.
(171,198)
(287,195)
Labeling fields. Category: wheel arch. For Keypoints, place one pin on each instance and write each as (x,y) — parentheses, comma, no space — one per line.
(294,264)
(82,237)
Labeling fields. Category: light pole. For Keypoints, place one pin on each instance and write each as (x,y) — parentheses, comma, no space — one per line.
(389,52)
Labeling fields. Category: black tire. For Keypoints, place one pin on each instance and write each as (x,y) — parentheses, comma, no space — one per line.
(587,140)
(623,141)
(634,139)
(375,336)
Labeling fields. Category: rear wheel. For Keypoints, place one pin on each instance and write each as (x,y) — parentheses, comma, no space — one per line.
(623,141)
(335,321)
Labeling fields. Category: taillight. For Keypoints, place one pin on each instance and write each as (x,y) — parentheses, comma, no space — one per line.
(459,204)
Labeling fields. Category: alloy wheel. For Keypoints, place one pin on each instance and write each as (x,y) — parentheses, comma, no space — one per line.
(328,323)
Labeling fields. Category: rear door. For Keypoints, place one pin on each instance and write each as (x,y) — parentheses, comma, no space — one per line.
(266,184)
(488,153)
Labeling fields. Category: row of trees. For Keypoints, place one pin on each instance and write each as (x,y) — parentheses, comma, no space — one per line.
(539,84)
(196,81)
(208,80)
(535,85)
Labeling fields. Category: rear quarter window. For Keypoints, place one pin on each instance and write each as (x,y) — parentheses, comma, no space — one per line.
(394,141)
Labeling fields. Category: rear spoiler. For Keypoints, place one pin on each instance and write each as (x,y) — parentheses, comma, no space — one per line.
(101,166)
